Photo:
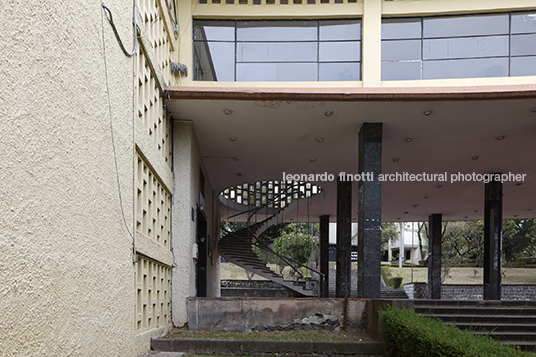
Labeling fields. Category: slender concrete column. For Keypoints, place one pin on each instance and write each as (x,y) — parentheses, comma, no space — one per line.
(493,240)
(434,259)
(344,238)
(370,211)
(324,255)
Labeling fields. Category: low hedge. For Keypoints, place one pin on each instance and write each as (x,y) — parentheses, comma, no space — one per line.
(394,281)
(407,333)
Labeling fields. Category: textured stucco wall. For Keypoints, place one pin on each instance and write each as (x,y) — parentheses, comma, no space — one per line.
(66,272)
(187,160)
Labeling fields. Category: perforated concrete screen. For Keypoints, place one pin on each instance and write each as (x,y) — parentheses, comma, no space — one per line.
(153,293)
(153,205)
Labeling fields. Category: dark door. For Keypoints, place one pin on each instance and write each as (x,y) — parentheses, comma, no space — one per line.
(201,265)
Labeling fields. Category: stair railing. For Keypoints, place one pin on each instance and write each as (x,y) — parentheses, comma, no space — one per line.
(252,212)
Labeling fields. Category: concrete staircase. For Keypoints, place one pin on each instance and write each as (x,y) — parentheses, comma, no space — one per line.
(511,322)
(236,247)
(393,294)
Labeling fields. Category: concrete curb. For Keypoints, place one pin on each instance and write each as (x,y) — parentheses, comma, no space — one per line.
(263,347)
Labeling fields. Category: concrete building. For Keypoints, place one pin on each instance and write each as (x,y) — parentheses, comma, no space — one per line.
(410,240)
(113,159)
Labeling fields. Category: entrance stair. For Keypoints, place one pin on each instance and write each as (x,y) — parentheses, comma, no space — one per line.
(238,247)
(511,322)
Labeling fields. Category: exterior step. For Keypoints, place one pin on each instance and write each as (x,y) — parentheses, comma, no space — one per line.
(264,347)
(511,322)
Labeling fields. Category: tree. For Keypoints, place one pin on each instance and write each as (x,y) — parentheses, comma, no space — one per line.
(295,245)
(422,235)
(389,234)
(519,235)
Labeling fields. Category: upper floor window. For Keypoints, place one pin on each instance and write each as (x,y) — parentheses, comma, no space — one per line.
(311,50)
(493,45)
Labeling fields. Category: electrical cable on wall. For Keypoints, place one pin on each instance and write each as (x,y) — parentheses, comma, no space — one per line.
(134,23)
(112,137)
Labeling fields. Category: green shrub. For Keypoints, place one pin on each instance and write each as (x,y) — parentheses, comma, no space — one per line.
(386,273)
(395,282)
(406,333)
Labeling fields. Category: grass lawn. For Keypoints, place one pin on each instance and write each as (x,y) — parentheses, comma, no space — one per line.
(270,336)
(456,276)
(469,275)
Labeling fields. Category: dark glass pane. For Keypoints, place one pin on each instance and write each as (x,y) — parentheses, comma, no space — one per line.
(394,29)
(338,30)
(214,30)
(276,72)
(466,47)
(399,71)
(524,23)
(401,50)
(340,71)
(270,31)
(466,68)
(457,26)
(277,52)
(523,66)
(340,51)
(523,45)
(214,61)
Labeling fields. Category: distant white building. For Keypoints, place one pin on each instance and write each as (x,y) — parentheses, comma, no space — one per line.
(410,241)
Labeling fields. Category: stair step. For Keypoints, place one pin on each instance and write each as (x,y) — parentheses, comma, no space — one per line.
(485,318)
(483,310)
(510,336)
(488,327)
(511,322)
(525,346)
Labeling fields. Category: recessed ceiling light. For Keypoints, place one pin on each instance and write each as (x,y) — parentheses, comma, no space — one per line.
(425,197)
(409,140)
(529,209)
(239,174)
(465,217)
(232,138)
(475,157)
(396,159)
(502,137)
(328,113)
(428,112)
(406,212)
(518,184)
(398,218)
(236,158)
(227,111)
(319,140)
(533,110)
(415,205)
(515,215)
(439,186)
(354,219)
(475,211)
(312,159)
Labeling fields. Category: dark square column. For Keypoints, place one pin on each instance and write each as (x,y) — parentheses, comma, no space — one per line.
(344,238)
(324,255)
(434,259)
(493,240)
(370,211)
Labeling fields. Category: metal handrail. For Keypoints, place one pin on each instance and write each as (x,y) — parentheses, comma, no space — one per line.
(256,243)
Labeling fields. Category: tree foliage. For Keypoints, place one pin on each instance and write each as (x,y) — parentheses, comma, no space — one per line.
(294,240)
(465,240)
(519,239)
(389,234)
